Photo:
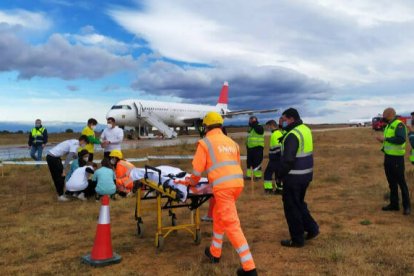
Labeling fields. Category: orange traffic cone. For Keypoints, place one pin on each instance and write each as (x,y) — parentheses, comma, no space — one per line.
(102,253)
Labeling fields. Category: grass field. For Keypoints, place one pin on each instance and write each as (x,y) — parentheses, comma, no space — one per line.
(41,236)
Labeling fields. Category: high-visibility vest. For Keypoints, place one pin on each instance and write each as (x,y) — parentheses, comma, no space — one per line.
(222,165)
(275,145)
(37,135)
(389,148)
(88,132)
(304,155)
(122,172)
(254,139)
(412,148)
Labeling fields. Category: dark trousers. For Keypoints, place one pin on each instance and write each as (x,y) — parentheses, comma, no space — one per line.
(106,154)
(56,170)
(395,172)
(90,157)
(296,210)
(90,190)
(255,158)
(271,169)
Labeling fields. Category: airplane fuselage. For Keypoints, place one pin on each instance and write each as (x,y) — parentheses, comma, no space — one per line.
(132,112)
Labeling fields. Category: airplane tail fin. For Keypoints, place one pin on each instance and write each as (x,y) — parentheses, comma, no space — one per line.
(224,96)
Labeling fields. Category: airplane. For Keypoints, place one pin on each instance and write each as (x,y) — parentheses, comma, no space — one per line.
(360,122)
(163,115)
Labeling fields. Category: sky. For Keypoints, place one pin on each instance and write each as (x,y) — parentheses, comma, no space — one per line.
(333,60)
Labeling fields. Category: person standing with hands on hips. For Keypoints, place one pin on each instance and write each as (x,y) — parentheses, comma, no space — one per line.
(393,146)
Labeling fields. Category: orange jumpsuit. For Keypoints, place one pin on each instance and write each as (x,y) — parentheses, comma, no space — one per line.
(219,156)
(124,182)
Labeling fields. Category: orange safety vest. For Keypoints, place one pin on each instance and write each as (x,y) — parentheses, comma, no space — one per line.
(219,156)
(122,173)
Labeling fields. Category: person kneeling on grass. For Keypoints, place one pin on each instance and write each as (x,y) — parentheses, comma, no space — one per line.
(80,182)
(81,161)
(124,182)
(105,179)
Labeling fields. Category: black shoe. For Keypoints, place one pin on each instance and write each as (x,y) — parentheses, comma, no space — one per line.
(241,272)
(290,243)
(407,211)
(310,236)
(390,208)
(247,178)
(268,191)
(212,259)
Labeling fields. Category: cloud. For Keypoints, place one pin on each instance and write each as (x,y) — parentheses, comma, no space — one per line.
(58,58)
(259,87)
(24,19)
(343,44)
(72,88)
(89,37)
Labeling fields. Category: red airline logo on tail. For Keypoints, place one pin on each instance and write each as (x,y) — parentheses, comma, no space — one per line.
(224,94)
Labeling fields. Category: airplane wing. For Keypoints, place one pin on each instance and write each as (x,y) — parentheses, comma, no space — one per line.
(230,114)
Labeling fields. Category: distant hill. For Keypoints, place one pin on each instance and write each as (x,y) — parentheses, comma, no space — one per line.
(52,127)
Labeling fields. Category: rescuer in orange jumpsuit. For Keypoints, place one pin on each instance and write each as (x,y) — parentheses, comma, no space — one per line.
(124,183)
(219,156)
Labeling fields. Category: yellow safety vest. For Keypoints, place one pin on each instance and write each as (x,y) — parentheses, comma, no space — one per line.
(275,145)
(254,139)
(304,155)
(37,135)
(390,148)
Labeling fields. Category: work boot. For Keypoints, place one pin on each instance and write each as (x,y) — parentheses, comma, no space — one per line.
(407,211)
(278,192)
(390,208)
(212,259)
(290,243)
(241,272)
(268,191)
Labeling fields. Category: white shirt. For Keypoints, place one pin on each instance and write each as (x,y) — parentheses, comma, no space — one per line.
(65,147)
(79,180)
(115,136)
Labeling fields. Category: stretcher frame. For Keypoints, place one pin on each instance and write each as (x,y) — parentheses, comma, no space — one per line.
(145,190)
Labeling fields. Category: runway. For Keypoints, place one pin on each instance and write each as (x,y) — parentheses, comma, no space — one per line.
(16,152)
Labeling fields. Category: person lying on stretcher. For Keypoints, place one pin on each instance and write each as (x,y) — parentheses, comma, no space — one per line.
(171,174)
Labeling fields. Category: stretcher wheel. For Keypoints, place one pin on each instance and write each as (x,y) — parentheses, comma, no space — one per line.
(160,243)
(140,229)
(197,239)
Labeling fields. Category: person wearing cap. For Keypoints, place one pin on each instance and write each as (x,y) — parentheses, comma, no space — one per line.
(111,137)
(37,140)
(89,131)
(219,156)
(296,172)
(254,145)
(393,145)
(124,183)
(274,159)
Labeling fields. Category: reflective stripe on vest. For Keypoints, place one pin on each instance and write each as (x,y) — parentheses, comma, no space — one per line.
(216,165)
(389,148)
(254,139)
(304,155)
(37,135)
(412,156)
(275,144)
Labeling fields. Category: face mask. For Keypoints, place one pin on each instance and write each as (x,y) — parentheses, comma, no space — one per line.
(113,161)
(109,125)
(38,125)
(85,159)
(93,127)
(284,124)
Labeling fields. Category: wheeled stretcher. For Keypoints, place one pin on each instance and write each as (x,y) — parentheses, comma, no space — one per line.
(157,183)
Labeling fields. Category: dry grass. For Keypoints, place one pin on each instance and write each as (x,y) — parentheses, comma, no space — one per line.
(42,236)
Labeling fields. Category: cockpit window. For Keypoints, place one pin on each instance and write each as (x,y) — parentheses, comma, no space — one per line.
(121,107)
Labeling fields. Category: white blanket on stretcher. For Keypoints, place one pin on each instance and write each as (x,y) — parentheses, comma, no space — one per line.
(201,188)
